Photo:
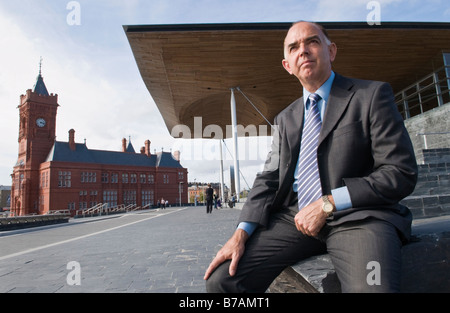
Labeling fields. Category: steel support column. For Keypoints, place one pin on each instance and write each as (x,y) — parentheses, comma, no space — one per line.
(235,144)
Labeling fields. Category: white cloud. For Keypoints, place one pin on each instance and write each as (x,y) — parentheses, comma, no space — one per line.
(15,78)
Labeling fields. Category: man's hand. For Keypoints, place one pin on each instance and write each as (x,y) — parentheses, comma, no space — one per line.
(311,218)
(232,250)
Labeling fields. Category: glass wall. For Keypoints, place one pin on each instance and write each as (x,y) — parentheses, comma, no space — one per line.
(427,93)
(447,67)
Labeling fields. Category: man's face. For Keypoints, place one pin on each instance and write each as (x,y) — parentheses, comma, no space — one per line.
(308,54)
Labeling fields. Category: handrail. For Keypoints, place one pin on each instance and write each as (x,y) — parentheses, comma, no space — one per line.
(434,89)
(432,133)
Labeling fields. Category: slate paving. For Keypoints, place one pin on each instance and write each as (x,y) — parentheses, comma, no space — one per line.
(153,251)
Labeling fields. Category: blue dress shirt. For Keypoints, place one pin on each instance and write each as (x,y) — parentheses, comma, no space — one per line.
(341,195)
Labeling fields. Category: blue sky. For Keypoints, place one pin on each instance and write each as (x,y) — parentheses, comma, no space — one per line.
(91,67)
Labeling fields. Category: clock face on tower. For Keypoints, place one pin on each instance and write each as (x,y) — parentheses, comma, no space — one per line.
(40,122)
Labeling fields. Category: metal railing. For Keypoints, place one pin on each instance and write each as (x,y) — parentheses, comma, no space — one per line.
(425,143)
(427,93)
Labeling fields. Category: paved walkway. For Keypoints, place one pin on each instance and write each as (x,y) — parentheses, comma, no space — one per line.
(149,251)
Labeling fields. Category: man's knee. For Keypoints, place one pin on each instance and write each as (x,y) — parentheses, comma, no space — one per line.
(214,283)
(220,281)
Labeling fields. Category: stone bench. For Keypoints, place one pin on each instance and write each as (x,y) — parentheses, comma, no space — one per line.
(425,266)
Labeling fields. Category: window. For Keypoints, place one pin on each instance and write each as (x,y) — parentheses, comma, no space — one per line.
(151,179)
(110,197)
(64,179)
(180,175)
(148,197)
(105,177)
(165,178)
(124,178)
(142,178)
(133,178)
(88,177)
(43,181)
(41,202)
(129,197)
(114,178)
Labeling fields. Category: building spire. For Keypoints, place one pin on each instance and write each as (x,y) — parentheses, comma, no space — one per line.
(40,66)
(40,87)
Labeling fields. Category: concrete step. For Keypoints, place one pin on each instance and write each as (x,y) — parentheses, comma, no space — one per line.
(428,205)
(435,184)
(431,169)
(428,156)
(433,180)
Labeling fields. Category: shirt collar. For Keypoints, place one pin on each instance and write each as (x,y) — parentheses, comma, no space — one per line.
(323,91)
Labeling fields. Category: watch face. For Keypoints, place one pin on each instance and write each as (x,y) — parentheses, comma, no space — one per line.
(328,207)
(40,122)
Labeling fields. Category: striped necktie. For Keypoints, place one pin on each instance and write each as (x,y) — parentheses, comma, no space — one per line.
(309,188)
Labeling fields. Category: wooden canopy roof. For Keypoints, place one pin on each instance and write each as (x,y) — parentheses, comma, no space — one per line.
(190,69)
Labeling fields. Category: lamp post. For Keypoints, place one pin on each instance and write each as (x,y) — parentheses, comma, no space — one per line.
(195,188)
(179,190)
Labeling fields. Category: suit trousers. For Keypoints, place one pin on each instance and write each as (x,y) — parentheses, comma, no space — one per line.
(209,204)
(366,255)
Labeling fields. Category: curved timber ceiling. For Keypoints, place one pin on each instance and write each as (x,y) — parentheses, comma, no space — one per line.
(189,70)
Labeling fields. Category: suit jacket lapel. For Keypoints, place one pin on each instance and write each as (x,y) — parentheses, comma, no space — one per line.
(290,146)
(340,96)
(294,128)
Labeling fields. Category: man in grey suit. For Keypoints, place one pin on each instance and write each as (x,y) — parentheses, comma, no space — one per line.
(366,165)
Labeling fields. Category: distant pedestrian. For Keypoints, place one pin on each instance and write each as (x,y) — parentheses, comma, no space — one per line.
(163,204)
(209,199)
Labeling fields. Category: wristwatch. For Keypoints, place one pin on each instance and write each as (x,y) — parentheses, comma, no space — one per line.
(327,206)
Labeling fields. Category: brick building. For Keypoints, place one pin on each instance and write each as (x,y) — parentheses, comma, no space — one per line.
(52,175)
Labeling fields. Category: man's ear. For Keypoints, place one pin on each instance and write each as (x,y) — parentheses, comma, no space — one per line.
(286,66)
(332,49)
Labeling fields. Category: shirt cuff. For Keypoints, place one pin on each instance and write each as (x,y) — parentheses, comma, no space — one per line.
(341,198)
(248,227)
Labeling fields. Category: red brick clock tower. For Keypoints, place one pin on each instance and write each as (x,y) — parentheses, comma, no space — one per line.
(37,129)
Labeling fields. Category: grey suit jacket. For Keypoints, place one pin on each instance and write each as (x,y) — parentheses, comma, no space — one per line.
(363,145)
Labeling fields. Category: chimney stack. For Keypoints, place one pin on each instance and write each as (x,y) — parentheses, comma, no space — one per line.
(147,147)
(124,145)
(72,140)
(176,155)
